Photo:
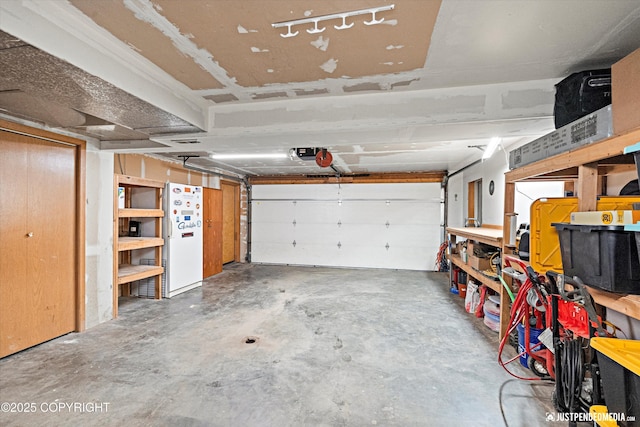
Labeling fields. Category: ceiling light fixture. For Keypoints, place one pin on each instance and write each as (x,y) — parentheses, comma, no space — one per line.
(99,128)
(249,156)
(341,15)
(491,148)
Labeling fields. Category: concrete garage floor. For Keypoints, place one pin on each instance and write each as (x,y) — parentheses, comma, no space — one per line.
(333,347)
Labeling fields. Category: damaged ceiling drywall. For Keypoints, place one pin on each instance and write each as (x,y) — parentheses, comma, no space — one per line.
(409,94)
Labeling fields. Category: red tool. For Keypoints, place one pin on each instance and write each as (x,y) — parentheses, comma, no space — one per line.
(530,310)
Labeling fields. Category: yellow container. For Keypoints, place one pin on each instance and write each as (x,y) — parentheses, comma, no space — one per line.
(544,246)
(599,413)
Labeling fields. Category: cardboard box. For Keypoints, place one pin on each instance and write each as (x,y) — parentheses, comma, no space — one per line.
(605,217)
(480,264)
(457,249)
(591,128)
(625,93)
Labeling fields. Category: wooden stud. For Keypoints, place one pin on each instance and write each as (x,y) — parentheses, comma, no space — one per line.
(587,187)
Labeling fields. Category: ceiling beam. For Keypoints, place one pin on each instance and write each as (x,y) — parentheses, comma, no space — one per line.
(376,178)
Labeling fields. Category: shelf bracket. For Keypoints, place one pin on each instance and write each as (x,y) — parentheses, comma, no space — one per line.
(185,158)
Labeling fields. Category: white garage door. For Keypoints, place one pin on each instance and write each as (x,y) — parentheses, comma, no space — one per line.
(348,225)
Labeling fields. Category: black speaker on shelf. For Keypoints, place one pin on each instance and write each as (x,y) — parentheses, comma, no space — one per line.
(134,229)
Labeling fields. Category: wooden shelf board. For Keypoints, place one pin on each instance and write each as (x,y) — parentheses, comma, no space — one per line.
(140,213)
(626,304)
(490,236)
(138,182)
(610,147)
(485,280)
(129,273)
(131,243)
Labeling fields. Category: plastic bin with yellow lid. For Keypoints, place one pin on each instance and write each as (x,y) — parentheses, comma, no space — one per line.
(619,363)
(625,352)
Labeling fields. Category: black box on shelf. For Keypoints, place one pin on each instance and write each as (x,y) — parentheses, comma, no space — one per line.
(602,256)
(580,94)
(134,229)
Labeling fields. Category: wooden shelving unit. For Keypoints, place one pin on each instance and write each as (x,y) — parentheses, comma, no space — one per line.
(131,243)
(584,166)
(124,271)
(485,280)
(491,237)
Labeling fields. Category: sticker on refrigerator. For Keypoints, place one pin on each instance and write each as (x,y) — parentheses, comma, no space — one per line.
(177,190)
(187,218)
(184,225)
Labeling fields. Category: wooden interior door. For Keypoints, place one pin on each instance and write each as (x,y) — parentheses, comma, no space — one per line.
(212,237)
(38,233)
(230,221)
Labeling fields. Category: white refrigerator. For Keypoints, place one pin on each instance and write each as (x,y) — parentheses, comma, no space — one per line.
(183,238)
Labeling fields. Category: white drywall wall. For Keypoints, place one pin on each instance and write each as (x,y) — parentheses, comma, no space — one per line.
(492,169)
(456,209)
(528,192)
(99,236)
(489,170)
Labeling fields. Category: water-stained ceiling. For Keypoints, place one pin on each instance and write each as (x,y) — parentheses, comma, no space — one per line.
(399,86)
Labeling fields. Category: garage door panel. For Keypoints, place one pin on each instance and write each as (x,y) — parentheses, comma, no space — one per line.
(315,254)
(412,235)
(390,191)
(273,211)
(363,234)
(407,212)
(317,233)
(271,252)
(273,232)
(316,212)
(394,257)
(368,212)
(411,258)
(414,213)
(296,192)
(369,256)
(375,225)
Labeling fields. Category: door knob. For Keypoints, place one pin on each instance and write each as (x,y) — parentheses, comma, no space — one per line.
(30,234)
